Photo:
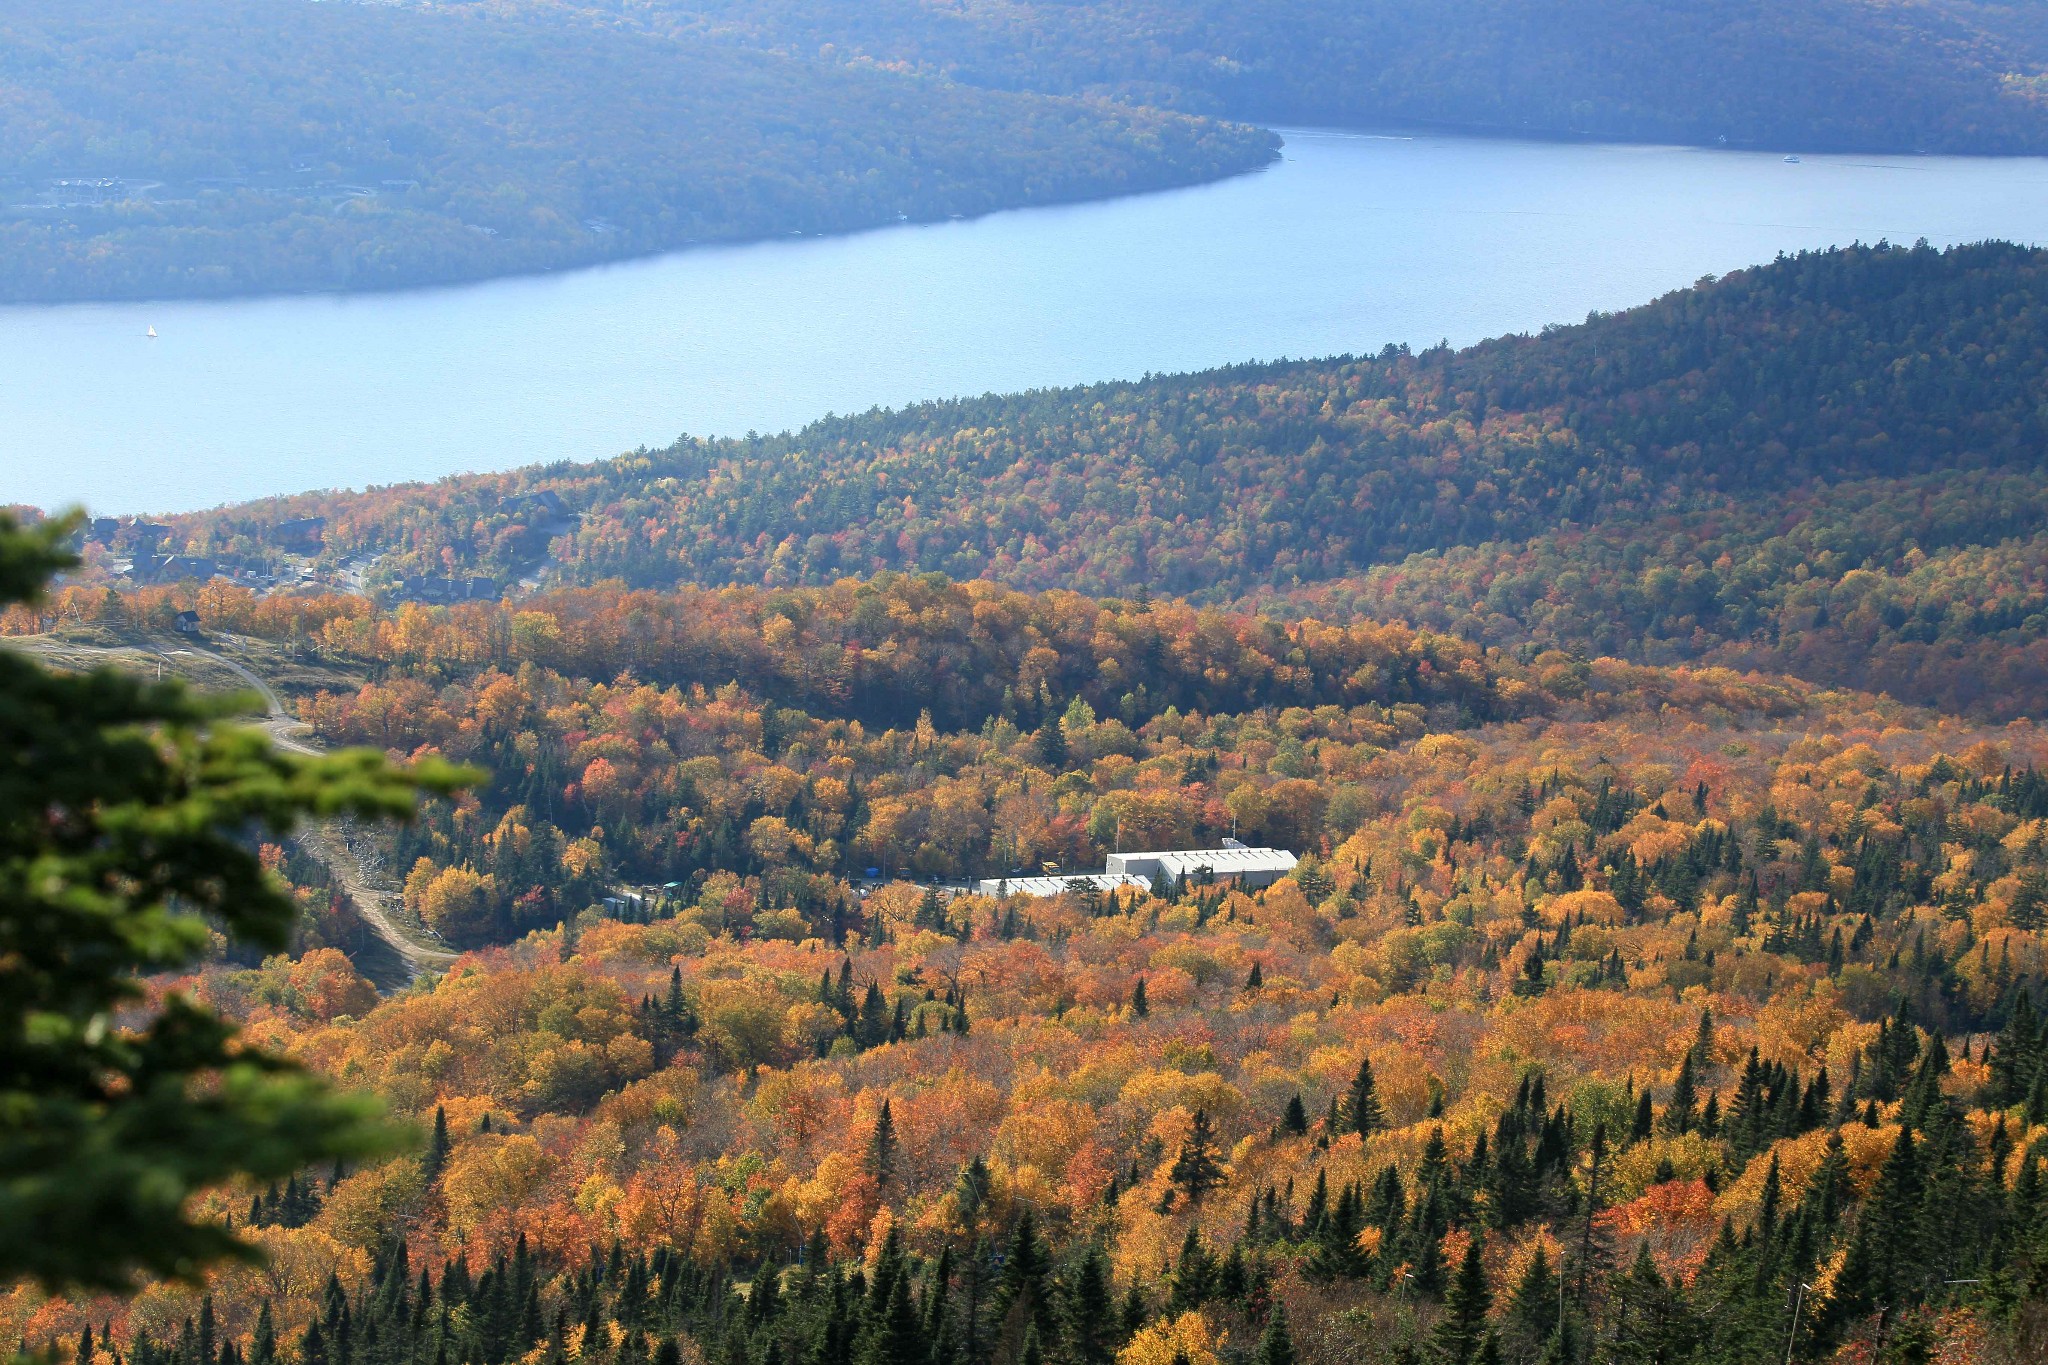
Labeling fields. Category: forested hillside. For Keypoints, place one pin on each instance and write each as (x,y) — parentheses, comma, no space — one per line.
(1855,74)
(1609,1007)
(1829,464)
(1933,587)
(179,147)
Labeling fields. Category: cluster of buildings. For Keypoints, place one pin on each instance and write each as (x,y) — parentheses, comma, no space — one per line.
(144,542)
(147,565)
(89,192)
(154,568)
(1235,863)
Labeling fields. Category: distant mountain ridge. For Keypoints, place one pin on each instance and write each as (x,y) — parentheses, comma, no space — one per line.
(216,147)
(181,148)
(1863,75)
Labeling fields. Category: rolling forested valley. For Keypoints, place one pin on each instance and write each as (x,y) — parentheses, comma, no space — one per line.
(1648,708)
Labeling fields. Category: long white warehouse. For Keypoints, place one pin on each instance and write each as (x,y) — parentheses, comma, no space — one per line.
(1247,867)
(1233,862)
(1056,886)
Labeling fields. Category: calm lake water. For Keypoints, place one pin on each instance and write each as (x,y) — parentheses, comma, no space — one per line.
(1352,242)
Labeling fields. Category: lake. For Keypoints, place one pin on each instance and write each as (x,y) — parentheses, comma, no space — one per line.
(1352,241)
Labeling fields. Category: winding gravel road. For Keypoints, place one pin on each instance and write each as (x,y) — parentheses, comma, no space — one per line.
(369,888)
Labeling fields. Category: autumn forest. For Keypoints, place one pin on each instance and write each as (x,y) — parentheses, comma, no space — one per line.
(1664,977)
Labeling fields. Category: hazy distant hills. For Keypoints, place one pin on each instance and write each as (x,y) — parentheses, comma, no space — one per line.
(1830,464)
(195,147)
(176,147)
(1814,74)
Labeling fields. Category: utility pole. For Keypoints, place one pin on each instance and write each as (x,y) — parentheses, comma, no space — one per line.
(1792,1336)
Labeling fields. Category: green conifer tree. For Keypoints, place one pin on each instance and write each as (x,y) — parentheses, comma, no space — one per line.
(1025,1285)
(1533,1308)
(1276,1343)
(263,1342)
(1681,1115)
(1467,1301)
(881,1159)
(896,1336)
(126,810)
(1091,1312)
(437,1147)
(1362,1112)
(1641,1129)
(1196,1169)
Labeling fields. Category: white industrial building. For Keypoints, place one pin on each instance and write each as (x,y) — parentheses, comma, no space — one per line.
(1247,867)
(1059,886)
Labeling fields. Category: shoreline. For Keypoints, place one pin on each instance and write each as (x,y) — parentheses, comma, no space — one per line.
(1273,157)
(1280,129)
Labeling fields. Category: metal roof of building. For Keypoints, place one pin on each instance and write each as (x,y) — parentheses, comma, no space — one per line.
(1059,886)
(1222,862)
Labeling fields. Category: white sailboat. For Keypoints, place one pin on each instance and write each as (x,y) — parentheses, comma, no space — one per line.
(151,334)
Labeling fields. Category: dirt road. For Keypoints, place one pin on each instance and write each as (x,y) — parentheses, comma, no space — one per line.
(346,853)
(336,843)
